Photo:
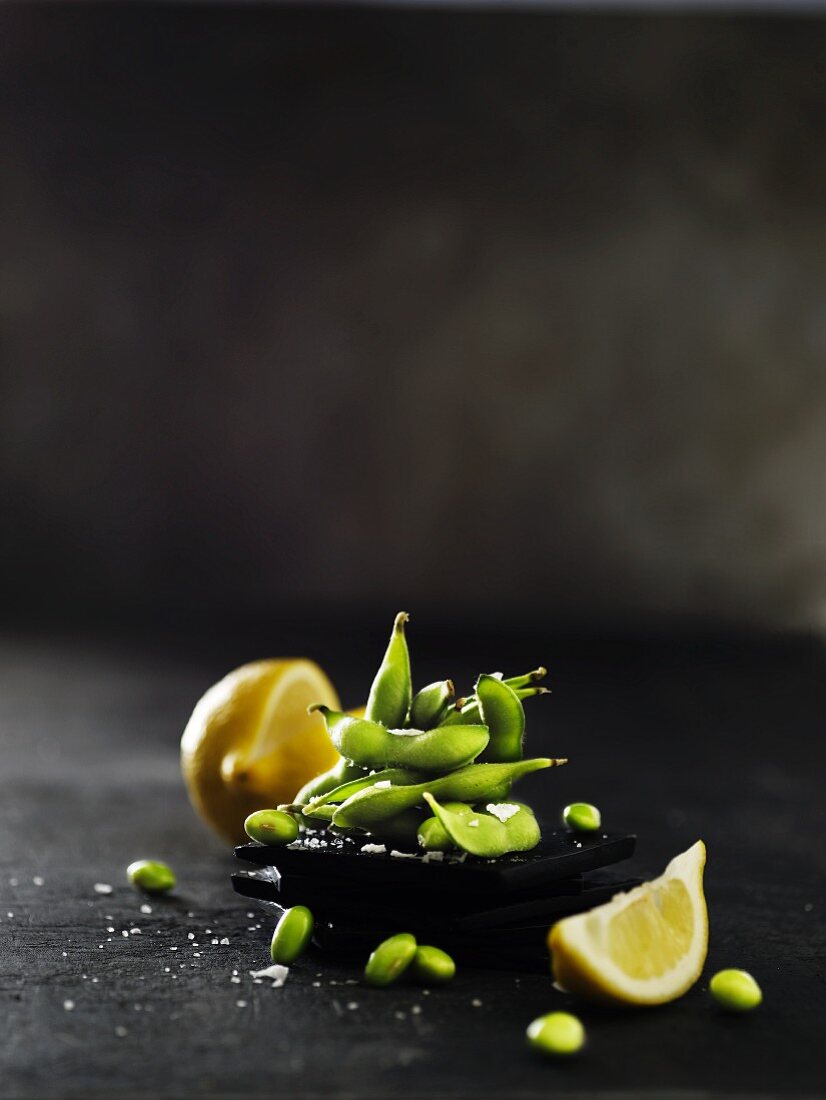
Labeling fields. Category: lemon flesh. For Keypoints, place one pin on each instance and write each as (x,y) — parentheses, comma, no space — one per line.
(645,947)
(250,743)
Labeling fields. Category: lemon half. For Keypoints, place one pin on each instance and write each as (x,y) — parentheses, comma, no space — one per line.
(645,947)
(251,744)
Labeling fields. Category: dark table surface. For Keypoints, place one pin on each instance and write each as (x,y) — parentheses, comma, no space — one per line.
(713,738)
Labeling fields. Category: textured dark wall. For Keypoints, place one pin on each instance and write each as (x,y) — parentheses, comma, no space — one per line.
(519,310)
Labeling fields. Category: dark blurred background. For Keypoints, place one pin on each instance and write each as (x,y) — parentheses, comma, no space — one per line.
(506,313)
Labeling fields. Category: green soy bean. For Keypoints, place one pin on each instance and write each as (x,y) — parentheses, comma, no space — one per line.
(735,990)
(292,935)
(390,959)
(582,817)
(557,1034)
(488,835)
(473,783)
(430,704)
(502,712)
(151,876)
(432,966)
(433,836)
(468,710)
(271,827)
(391,691)
(341,772)
(371,745)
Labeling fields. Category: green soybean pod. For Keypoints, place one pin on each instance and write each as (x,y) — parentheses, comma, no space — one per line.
(390,959)
(432,835)
(468,710)
(391,691)
(557,1034)
(430,704)
(393,776)
(735,990)
(341,772)
(292,935)
(502,712)
(271,827)
(151,875)
(432,966)
(474,783)
(527,679)
(488,835)
(371,745)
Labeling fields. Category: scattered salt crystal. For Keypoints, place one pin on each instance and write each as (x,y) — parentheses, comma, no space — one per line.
(68,1005)
(235,981)
(135,932)
(64,954)
(12,882)
(110,928)
(277,972)
(250,915)
(382,785)
(241,1004)
(120,1031)
(374,849)
(416,1010)
(167,969)
(10,915)
(207,931)
(196,954)
(190,913)
(353,1005)
(38,881)
(257,981)
(95,981)
(425,992)
(124,933)
(225,941)
(400,1015)
(403,855)
(294,844)
(214,941)
(316,985)
(147,909)
(474,823)
(173,948)
(102,888)
(433,857)
(503,810)
(190,935)
(476,1002)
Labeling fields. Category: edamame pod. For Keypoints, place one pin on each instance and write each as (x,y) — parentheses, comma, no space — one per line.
(467,710)
(490,835)
(473,783)
(502,712)
(433,836)
(527,679)
(393,776)
(341,772)
(371,745)
(430,704)
(391,691)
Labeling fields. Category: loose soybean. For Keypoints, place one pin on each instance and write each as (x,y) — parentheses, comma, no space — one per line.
(558,1034)
(292,935)
(271,827)
(151,876)
(432,966)
(735,990)
(390,959)
(582,817)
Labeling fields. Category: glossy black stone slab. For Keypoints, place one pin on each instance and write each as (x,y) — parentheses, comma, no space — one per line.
(363,917)
(559,855)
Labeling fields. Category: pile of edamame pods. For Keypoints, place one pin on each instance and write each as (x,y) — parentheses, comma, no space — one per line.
(429,770)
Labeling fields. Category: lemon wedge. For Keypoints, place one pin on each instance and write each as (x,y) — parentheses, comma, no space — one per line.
(645,947)
(250,743)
